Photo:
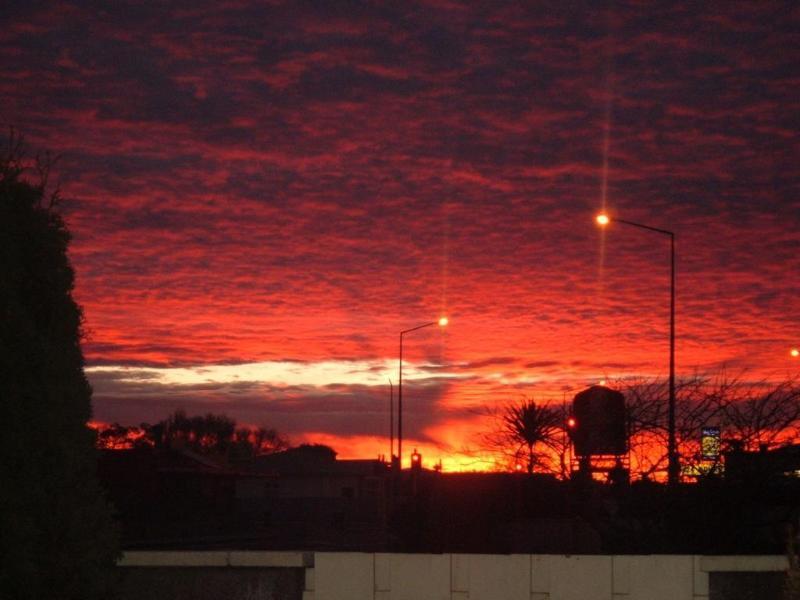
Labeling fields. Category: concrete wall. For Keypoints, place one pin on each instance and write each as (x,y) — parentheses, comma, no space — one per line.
(357,576)
(252,575)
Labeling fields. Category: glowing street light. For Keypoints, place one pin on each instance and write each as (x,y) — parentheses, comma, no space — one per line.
(442,322)
(673,468)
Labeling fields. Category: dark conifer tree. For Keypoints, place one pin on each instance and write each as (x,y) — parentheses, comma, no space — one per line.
(57,538)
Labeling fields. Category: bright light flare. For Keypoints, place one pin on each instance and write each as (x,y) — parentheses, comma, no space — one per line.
(603,219)
(443,322)
(794,352)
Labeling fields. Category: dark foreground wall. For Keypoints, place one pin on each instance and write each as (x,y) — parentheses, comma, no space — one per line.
(747,586)
(213,575)
(212,583)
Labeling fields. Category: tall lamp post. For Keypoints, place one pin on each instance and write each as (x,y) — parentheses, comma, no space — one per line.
(442,322)
(673,467)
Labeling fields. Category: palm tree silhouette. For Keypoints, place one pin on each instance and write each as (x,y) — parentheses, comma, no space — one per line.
(527,425)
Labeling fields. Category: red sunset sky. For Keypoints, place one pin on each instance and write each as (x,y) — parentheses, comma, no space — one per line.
(263,195)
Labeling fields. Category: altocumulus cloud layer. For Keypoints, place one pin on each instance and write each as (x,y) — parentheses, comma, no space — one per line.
(295,182)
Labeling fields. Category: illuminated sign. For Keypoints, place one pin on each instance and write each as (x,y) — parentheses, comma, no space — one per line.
(709,443)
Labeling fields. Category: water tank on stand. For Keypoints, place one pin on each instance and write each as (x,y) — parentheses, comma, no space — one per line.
(598,425)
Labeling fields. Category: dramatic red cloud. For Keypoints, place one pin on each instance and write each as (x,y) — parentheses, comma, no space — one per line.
(296,185)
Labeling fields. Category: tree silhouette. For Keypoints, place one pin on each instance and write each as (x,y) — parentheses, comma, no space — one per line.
(249,443)
(757,413)
(120,437)
(214,434)
(56,535)
(646,403)
(748,412)
(520,429)
(209,433)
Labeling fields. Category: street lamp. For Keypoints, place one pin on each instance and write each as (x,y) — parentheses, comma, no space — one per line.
(673,468)
(442,322)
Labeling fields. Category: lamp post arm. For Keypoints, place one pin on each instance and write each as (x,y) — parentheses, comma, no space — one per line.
(640,226)
(419,327)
